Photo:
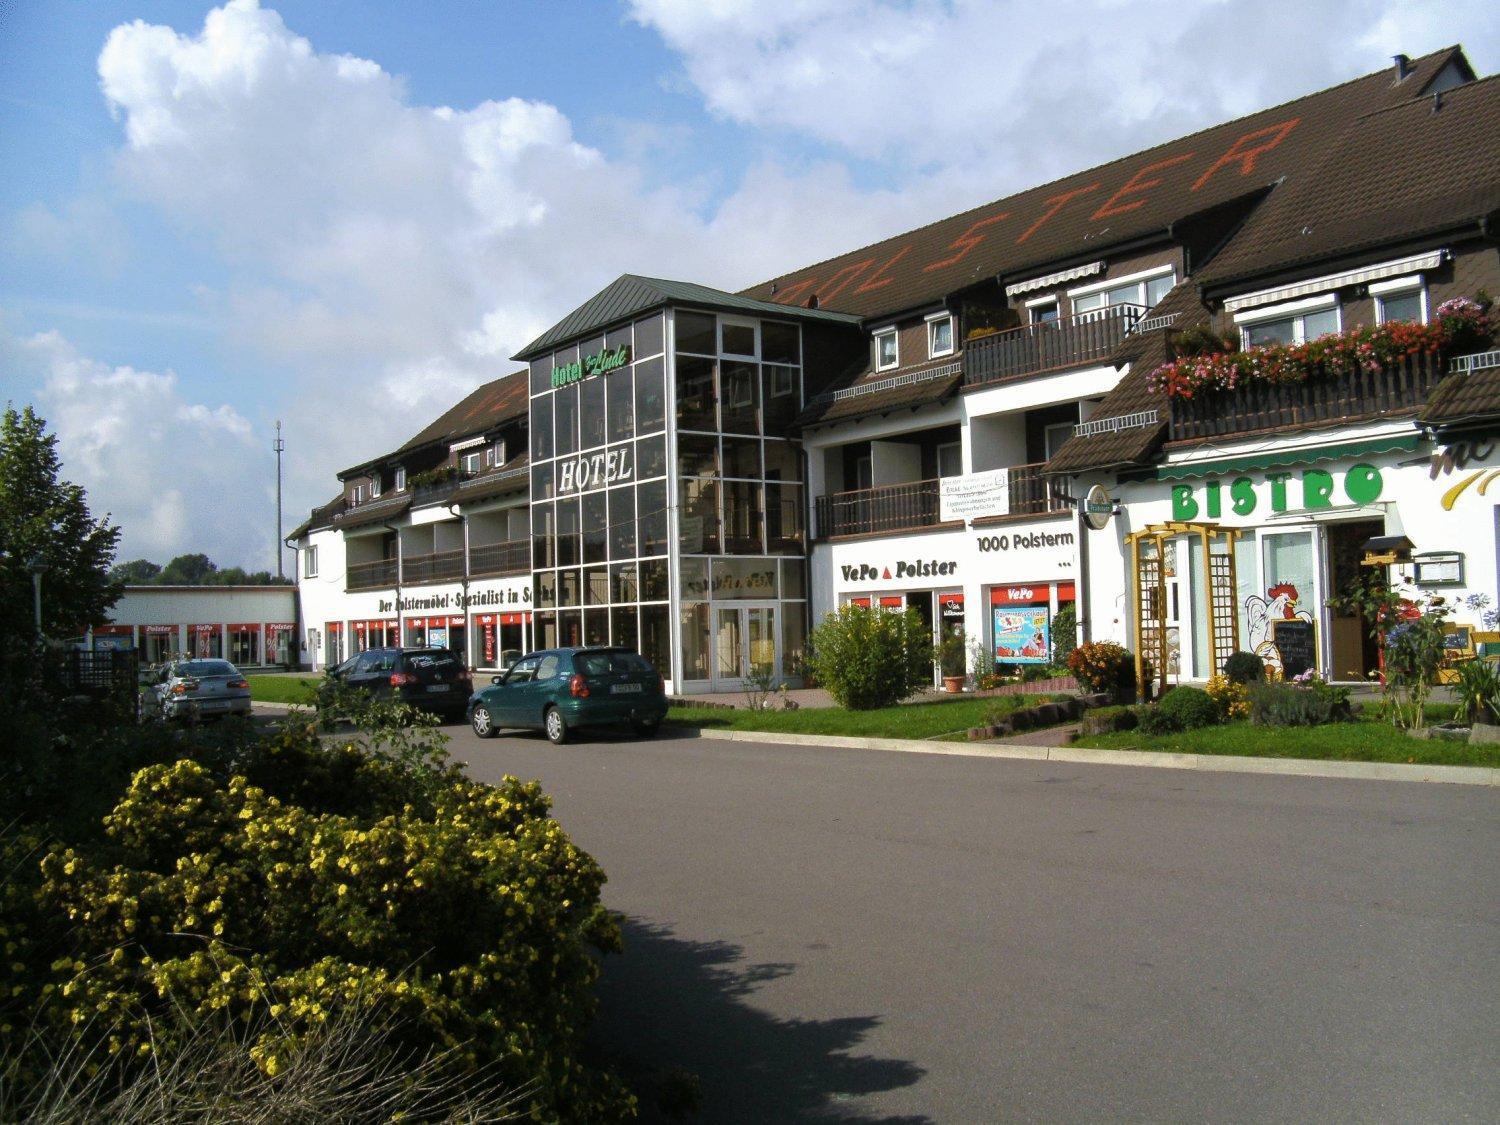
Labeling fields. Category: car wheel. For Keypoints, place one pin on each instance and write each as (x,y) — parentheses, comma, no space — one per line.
(481,722)
(556,726)
(647,729)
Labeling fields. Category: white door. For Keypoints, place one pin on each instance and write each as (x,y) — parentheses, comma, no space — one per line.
(744,644)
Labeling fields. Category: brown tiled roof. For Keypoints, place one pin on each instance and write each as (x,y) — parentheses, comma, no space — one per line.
(509,477)
(1144,352)
(866,393)
(482,409)
(1421,168)
(1463,397)
(1089,212)
(373,511)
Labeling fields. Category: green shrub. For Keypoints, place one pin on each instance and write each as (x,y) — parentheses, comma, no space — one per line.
(1244,668)
(1181,708)
(1294,705)
(1477,688)
(268,881)
(868,658)
(1064,633)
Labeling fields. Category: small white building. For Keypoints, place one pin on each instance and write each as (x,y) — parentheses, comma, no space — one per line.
(250,626)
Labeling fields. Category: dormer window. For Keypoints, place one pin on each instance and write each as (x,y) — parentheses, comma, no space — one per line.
(472,462)
(375,486)
(400,479)
(887,352)
(1293,322)
(1400,299)
(356,496)
(940,334)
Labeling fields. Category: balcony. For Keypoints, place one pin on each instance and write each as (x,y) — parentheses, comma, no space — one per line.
(1070,342)
(1023,491)
(1400,386)
(440,566)
(377,575)
(511,557)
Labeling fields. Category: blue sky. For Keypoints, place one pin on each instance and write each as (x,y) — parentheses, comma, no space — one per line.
(345,215)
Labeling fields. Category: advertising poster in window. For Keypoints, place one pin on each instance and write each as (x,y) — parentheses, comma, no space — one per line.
(1021,634)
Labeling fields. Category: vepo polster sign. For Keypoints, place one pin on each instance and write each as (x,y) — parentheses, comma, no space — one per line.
(915,568)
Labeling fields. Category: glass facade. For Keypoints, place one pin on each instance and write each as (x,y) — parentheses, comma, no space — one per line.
(630,442)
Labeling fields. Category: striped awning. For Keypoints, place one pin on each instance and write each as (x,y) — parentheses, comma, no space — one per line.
(1285,458)
(1417,263)
(1052,279)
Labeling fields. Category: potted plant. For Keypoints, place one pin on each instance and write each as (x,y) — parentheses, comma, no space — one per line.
(951,662)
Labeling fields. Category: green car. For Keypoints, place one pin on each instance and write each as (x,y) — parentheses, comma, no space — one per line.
(561,689)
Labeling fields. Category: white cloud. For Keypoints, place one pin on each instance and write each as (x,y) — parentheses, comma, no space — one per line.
(176,475)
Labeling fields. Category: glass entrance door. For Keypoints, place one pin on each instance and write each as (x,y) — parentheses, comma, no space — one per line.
(744,643)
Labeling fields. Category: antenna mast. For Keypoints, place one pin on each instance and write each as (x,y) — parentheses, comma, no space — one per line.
(280,542)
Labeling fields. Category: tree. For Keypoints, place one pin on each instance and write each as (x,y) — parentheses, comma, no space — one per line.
(188,570)
(45,518)
(136,572)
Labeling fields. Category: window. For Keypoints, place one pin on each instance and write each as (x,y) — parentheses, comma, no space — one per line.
(1400,299)
(309,562)
(472,462)
(356,496)
(950,461)
(887,353)
(1044,312)
(1142,290)
(1295,322)
(375,486)
(400,480)
(737,337)
(940,335)
(1053,437)
(494,455)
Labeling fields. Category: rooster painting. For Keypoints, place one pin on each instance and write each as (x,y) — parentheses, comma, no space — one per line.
(1279,604)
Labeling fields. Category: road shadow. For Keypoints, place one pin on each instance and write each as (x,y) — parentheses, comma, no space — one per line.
(670,1005)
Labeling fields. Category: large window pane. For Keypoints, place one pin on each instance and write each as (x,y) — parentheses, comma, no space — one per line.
(623,583)
(544,631)
(541,428)
(783,461)
(1321,323)
(778,343)
(541,481)
(697,455)
(595,527)
(654,580)
(541,374)
(617,336)
(695,394)
(693,578)
(621,396)
(779,397)
(566,405)
(1401,306)
(793,638)
(742,458)
(652,517)
(1159,287)
(622,628)
(784,518)
(742,518)
(736,339)
(695,333)
(544,536)
(596,585)
(793,578)
(651,457)
(698,524)
(545,591)
(744,578)
(596,627)
(568,552)
(1270,332)
(591,412)
(650,396)
(570,628)
(695,641)
(739,397)
(622,523)
(569,587)
(656,637)
(648,336)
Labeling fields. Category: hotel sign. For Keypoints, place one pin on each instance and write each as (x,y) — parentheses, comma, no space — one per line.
(597,470)
(602,361)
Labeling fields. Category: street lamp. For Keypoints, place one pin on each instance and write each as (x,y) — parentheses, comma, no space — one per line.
(37,566)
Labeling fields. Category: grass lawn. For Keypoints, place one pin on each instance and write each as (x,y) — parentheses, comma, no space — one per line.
(1365,740)
(285,688)
(911,720)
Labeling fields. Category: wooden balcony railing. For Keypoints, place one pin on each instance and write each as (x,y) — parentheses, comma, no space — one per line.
(440,566)
(380,574)
(1034,494)
(1402,385)
(510,557)
(864,511)
(1034,348)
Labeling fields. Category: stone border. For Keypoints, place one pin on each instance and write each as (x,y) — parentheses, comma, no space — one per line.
(1209,763)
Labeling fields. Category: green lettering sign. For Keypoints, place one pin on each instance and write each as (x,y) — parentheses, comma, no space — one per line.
(1242,495)
(1184,507)
(601,362)
(1317,489)
(1278,490)
(1362,485)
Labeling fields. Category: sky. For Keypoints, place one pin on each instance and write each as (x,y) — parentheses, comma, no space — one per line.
(344,216)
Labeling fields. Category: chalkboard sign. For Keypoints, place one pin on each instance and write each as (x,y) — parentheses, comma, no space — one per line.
(1297,641)
(1458,639)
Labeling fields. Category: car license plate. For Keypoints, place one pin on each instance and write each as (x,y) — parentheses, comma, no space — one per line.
(625,689)
(437,687)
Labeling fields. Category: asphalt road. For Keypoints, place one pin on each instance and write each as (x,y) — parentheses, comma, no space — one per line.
(848,935)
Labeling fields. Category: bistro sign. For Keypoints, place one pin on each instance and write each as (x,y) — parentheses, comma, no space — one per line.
(1362,484)
(601,362)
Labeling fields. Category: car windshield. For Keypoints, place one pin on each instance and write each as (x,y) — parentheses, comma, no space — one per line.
(597,663)
(206,668)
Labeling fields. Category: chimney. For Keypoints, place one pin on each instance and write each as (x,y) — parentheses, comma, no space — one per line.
(1403,67)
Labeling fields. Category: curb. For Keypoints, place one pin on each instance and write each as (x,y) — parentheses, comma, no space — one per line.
(1154,759)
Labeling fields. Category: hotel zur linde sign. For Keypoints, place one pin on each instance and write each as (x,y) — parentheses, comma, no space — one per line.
(602,361)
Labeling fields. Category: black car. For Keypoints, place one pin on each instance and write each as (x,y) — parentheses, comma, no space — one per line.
(433,679)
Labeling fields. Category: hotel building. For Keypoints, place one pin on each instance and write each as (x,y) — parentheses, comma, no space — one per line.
(960,420)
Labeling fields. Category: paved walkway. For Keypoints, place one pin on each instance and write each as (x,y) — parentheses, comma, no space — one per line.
(1048,736)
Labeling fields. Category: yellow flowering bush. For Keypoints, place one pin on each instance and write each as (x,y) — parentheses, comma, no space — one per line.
(272,885)
(1232,697)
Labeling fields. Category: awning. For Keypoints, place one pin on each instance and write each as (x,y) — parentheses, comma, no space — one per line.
(1052,279)
(1400,443)
(1417,263)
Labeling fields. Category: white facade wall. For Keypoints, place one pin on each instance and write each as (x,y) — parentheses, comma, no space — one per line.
(162,621)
